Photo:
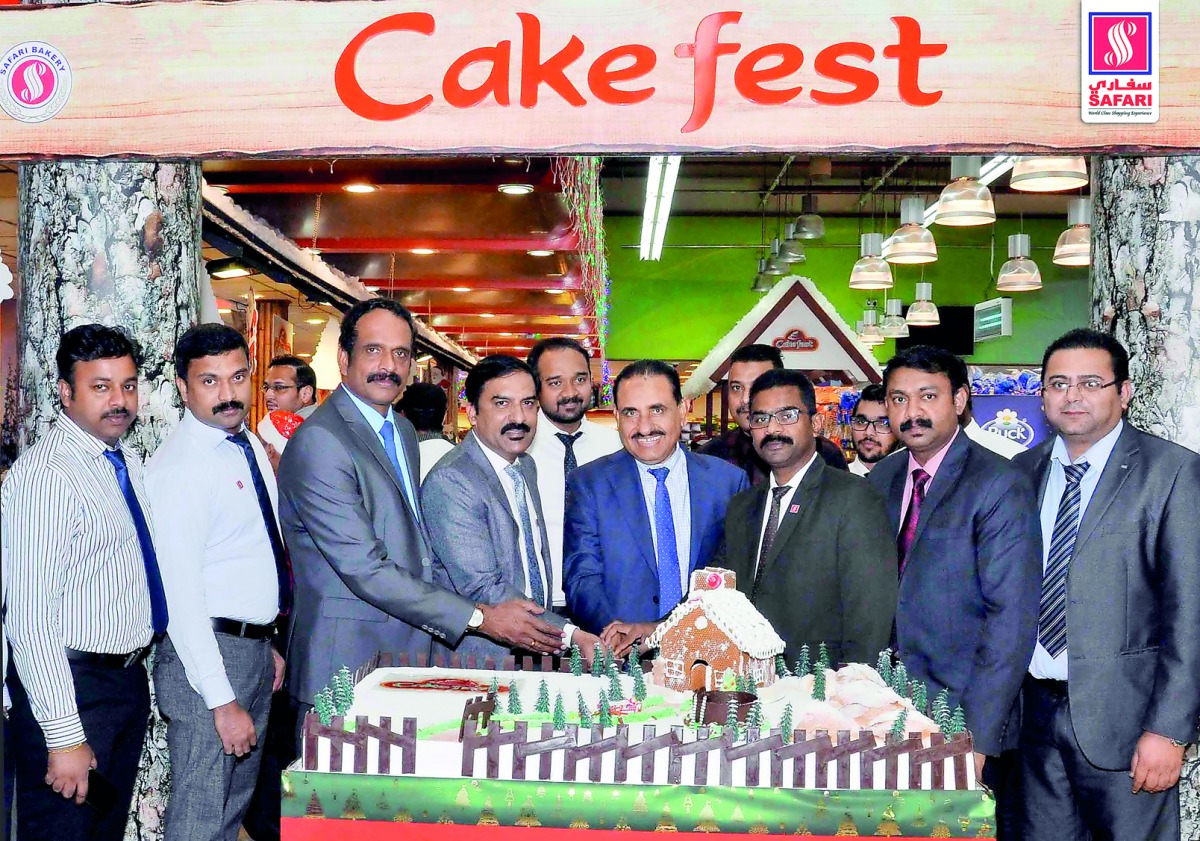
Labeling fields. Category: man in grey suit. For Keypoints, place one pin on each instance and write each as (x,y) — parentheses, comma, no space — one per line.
(1113,691)
(483,507)
(354,527)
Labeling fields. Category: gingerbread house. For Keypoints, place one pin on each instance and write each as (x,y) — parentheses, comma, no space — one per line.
(716,631)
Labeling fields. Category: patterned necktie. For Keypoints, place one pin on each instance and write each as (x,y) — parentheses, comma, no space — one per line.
(283,566)
(670,590)
(777,495)
(386,432)
(569,462)
(908,531)
(158,598)
(536,591)
(1052,612)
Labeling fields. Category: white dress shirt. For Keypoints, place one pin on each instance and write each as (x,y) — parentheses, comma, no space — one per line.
(858,467)
(1043,665)
(501,465)
(72,566)
(998,444)
(681,508)
(793,483)
(549,454)
(432,450)
(376,422)
(213,548)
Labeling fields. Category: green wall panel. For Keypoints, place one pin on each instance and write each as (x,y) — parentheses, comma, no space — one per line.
(681,305)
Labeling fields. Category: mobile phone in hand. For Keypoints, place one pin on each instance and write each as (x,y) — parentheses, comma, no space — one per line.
(102,794)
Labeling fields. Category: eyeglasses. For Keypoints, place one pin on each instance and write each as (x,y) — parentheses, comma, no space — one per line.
(786,417)
(1088,385)
(277,387)
(862,424)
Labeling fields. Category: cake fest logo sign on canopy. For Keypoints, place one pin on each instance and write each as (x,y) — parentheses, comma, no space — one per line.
(35,82)
(1120,58)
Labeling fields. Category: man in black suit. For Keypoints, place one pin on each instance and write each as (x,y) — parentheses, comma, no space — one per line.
(811,547)
(968,548)
(1113,691)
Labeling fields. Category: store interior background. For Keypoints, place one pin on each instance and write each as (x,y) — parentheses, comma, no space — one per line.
(492,267)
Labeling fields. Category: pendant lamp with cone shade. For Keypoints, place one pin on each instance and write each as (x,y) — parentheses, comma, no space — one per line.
(871,271)
(763,282)
(1049,175)
(869,334)
(893,325)
(808,224)
(1074,246)
(923,312)
(912,244)
(1019,273)
(792,248)
(965,202)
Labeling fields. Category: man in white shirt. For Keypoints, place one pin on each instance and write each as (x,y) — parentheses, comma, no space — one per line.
(995,442)
(227,581)
(424,405)
(565,438)
(871,430)
(483,508)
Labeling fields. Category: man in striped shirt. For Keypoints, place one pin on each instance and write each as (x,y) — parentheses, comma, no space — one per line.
(84,599)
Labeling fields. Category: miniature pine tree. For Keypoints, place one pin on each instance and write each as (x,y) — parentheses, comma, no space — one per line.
(576,661)
(494,689)
(941,710)
(958,721)
(752,686)
(560,714)
(803,666)
(605,714)
(781,669)
(585,714)
(739,684)
(343,691)
(514,699)
(898,726)
(323,704)
(755,718)
(823,657)
(608,660)
(819,684)
(542,705)
(731,721)
(597,661)
(884,666)
(900,680)
(639,684)
(919,695)
(614,683)
(785,724)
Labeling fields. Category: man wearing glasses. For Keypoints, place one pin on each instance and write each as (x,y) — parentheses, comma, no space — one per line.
(870,430)
(291,386)
(811,547)
(1113,690)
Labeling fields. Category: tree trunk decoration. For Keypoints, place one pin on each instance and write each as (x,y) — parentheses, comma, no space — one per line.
(1146,292)
(117,243)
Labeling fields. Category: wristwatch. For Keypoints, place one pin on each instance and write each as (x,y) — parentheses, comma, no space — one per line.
(476,620)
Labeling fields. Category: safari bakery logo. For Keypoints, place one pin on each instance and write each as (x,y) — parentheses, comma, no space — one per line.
(1119,49)
(35,82)
(1011,426)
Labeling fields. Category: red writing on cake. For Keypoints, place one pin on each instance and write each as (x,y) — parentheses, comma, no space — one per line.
(797,340)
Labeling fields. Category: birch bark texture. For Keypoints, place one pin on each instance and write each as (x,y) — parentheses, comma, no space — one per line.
(1146,292)
(117,243)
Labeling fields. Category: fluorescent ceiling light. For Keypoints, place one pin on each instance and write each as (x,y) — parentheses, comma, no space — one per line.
(359,187)
(540,252)
(660,192)
(460,289)
(422,251)
(988,173)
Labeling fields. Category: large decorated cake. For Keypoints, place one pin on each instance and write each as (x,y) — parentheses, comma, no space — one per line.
(718,711)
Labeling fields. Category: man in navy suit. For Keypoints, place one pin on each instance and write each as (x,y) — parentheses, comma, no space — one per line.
(640,520)
(968,546)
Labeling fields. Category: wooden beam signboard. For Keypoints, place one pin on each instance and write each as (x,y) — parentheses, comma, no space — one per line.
(275,77)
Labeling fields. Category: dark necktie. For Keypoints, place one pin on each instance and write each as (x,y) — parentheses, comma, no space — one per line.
(569,462)
(670,590)
(537,592)
(158,598)
(1052,612)
(908,532)
(777,495)
(283,567)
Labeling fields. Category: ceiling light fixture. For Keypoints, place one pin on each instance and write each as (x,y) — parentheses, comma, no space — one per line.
(371,288)
(660,192)
(893,325)
(912,243)
(540,252)
(763,282)
(1074,247)
(871,271)
(792,248)
(966,201)
(870,334)
(1049,175)
(422,251)
(224,310)
(487,315)
(460,289)
(1019,273)
(777,261)
(359,187)
(554,291)
(808,224)
(515,189)
(314,321)
(923,312)
(225,268)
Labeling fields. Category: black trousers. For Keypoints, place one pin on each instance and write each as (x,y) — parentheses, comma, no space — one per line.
(261,821)
(1067,798)
(114,705)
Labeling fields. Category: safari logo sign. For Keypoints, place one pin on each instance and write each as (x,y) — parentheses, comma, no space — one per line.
(1119,48)
(35,82)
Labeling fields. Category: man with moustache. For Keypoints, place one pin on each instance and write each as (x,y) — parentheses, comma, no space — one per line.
(564,438)
(84,598)
(870,430)
(483,506)
(746,365)
(1113,690)
(354,526)
(640,520)
(227,580)
(968,548)
(811,547)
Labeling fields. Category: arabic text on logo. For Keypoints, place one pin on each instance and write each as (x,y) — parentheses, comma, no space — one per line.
(35,82)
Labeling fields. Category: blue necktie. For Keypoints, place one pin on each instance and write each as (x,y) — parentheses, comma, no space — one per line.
(670,591)
(536,591)
(389,445)
(1052,613)
(158,598)
(283,569)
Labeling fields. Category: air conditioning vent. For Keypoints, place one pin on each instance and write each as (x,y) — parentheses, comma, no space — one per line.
(993,319)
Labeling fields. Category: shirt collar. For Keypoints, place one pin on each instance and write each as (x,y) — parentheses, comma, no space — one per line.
(931,466)
(369,413)
(548,428)
(799,477)
(498,462)
(202,433)
(673,461)
(90,444)
(1096,456)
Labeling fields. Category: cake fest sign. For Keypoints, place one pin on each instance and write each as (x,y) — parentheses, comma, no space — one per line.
(250,77)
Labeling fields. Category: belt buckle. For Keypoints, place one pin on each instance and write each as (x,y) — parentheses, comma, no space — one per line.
(132,658)
(243,627)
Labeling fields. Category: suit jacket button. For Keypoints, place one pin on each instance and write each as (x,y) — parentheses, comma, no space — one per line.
(424,562)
